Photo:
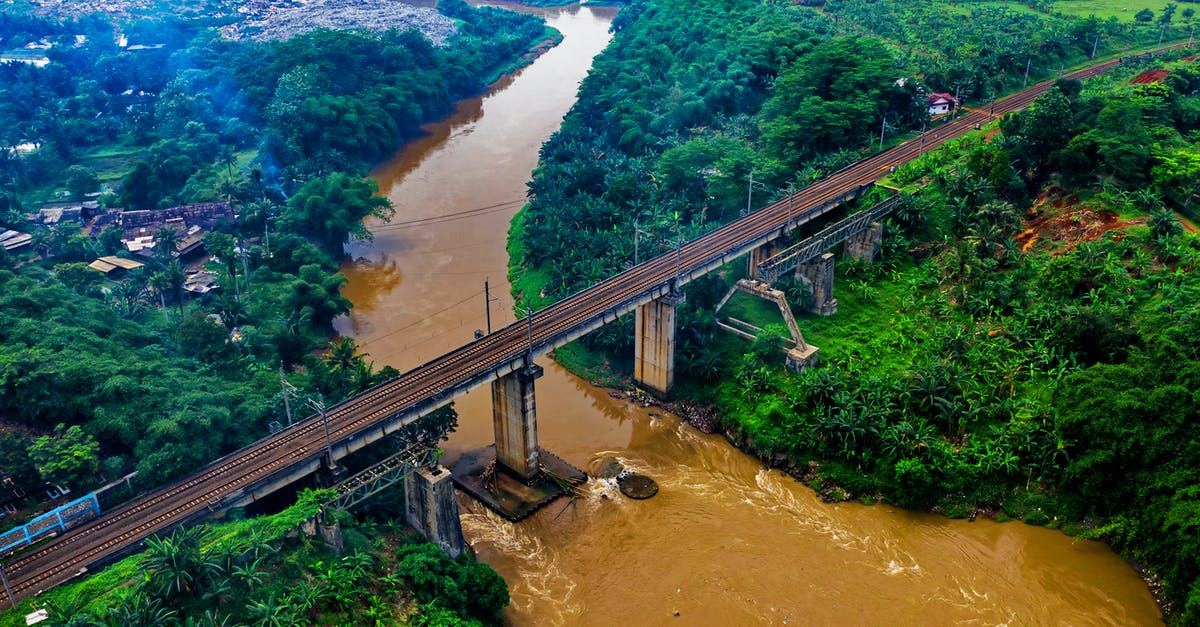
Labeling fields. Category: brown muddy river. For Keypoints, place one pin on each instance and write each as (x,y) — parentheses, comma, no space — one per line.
(725,542)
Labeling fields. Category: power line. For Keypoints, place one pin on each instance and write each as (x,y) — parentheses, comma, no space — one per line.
(439,312)
(450,217)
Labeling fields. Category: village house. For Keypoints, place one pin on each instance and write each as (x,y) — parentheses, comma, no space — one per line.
(941,104)
(113,266)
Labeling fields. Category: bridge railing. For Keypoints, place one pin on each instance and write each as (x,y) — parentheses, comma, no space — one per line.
(770,270)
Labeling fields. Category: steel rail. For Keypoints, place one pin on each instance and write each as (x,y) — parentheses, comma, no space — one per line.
(124,528)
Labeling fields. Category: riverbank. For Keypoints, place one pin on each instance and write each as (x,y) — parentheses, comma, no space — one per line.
(552,38)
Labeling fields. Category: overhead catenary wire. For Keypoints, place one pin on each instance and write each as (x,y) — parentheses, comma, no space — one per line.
(449,217)
(376,338)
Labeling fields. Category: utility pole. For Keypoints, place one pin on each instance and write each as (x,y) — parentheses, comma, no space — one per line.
(1162,32)
(287,406)
(923,121)
(882,126)
(245,265)
(636,232)
(1028,61)
(319,405)
(487,304)
(12,600)
(678,249)
(749,196)
(1094,45)
(791,192)
(528,351)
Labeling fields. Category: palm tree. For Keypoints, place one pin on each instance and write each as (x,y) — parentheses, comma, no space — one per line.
(1148,199)
(1164,225)
(251,574)
(343,355)
(161,283)
(175,280)
(140,610)
(128,294)
(166,240)
(272,612)
(209,618)
(231,311)
(64,611)
(174,564)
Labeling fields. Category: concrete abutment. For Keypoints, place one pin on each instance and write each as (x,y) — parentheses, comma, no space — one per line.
(818,276)
(865,244)
(430,507)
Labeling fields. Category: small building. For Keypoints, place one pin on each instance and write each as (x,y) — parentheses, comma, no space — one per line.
(51,216)
(201,283)
(14,240)
(113,266)
(941,104)
(140,245)
(191,242)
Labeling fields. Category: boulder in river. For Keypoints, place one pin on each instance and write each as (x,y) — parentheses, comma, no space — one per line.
(610,468)
(637,486)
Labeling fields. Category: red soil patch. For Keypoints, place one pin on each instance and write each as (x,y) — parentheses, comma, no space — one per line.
(1061,223)
(1149,76)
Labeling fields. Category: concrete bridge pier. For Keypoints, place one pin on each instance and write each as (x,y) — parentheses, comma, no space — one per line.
(430,507)
(865,244)
(654,343)
(818,276)
(514,419)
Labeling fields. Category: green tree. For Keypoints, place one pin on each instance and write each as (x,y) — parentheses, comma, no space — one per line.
(78,276)
(70,457)
(140,187)
(331,209)
(1178,171)
(15,459)
(81,180)
(109,240)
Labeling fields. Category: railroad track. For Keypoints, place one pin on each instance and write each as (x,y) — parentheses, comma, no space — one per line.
(124,528)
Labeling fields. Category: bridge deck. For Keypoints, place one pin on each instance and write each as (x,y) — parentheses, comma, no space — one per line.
(271,462)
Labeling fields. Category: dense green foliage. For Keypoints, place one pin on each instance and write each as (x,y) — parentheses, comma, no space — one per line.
(964,371)
(159,382)
(690,100)
(249,572)
(982,49)
(168,122)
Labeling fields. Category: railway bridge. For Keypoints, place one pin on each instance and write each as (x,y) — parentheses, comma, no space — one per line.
(503,359)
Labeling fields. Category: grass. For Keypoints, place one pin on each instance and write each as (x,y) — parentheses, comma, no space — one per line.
(111,161)
(966,8)
(527,284)
(1123,10)
(756,311)
(591,365)
(867,326)
(97,588)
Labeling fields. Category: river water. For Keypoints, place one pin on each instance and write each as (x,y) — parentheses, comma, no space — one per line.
(725,542)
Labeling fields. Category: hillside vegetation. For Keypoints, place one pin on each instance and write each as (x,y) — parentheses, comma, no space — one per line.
(1026,345)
